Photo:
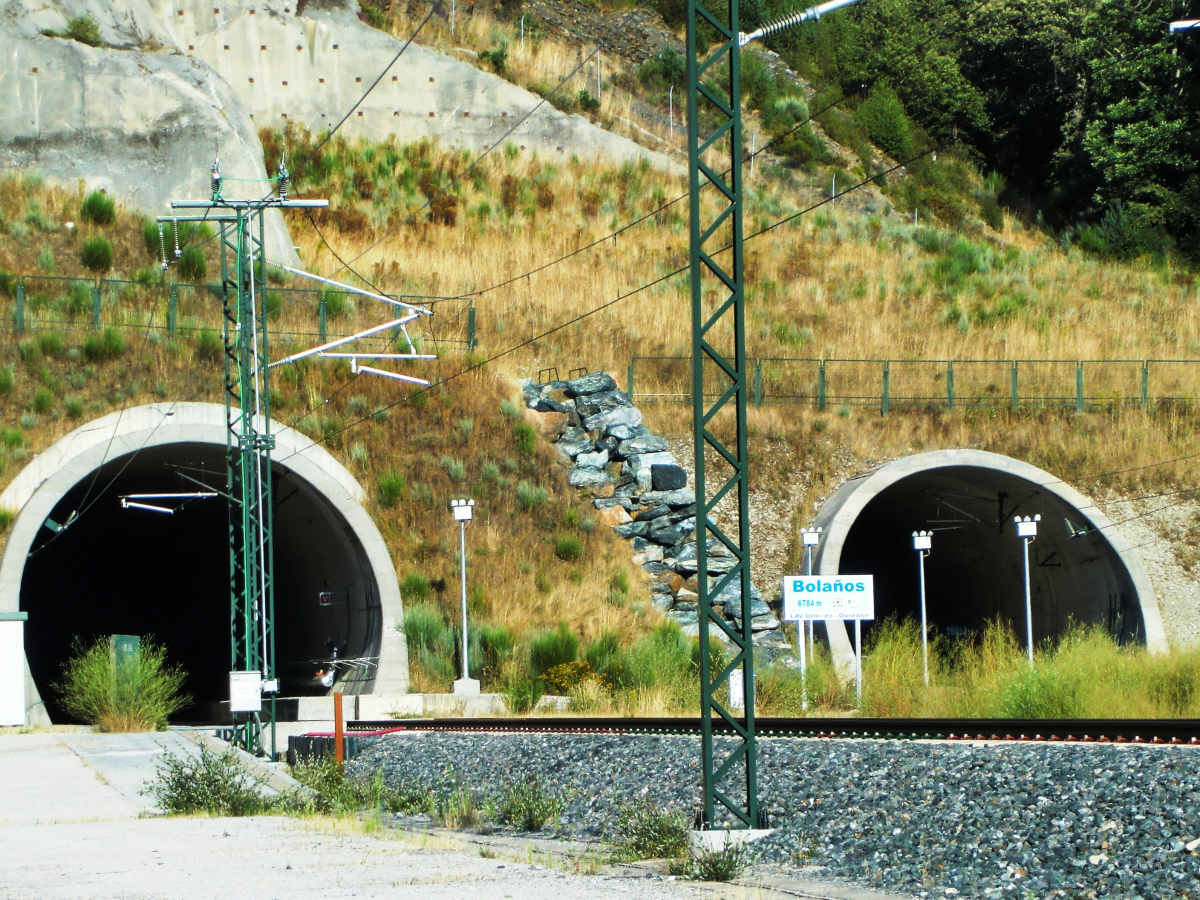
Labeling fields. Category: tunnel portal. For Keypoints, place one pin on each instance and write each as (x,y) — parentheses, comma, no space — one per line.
(1081,569)
(114,570)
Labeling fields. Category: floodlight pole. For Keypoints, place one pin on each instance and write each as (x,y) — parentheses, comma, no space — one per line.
(462,514)
(922,543)
(720,382)
(1027,531)
(248,438)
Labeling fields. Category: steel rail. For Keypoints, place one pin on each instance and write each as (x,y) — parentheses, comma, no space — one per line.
(1110,731)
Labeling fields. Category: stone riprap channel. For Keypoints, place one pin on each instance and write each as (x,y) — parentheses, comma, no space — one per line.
(642,493)
(927,819)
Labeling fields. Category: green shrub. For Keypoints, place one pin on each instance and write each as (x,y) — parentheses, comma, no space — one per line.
(496,644)
(992,213)
(29,351)
(209,346)
(79,301)
(414,588)
(521,694)
(51,343)
(98,209)
(883,118)
(192,266)
(646,831)
(213,783)
(97,254)
(430,639)
(552,648)
(337,304)
(497,59)
(530,497)
(43,400)
(139,697)
(454,468)
(722,864)
(84,29)
(6,380)
(510,410)
(527,804)
(12,438)
(393,487)
(74,408)
(789,334)
(6,518)
(332,792)
(526,437)
(457,807)
(568,548)
(102,345)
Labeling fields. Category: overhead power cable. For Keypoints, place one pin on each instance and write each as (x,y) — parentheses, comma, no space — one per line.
(606,305)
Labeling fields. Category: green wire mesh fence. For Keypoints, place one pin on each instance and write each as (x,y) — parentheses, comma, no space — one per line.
(35,304)
(950,384)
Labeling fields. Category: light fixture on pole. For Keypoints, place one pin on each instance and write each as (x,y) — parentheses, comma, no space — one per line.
(923,543)
(462,515)
(810,537)
(1027,531)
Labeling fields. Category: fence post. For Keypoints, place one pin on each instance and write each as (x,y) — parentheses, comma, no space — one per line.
(758,382)
(1146,384)
(950,385)
(821,386)
(886,378)
(472,343)
(323,318)
(20,317)
(629,378)
(96,304)
(1079,386)
(1016,395)
(173,309)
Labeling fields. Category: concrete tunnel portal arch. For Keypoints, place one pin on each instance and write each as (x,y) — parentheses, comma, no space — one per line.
(1082,569)
(137,572)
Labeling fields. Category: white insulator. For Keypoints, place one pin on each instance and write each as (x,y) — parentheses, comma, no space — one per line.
(162,246)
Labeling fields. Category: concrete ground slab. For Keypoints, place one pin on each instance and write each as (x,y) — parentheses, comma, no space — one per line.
(73,825)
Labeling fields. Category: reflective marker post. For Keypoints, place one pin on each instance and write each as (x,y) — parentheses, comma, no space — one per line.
(811,537)
(807,598)
(923,543)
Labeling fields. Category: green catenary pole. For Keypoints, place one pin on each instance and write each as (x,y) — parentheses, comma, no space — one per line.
(719,347)
(20,312)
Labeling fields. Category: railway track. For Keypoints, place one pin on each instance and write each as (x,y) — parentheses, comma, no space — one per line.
(1115,731)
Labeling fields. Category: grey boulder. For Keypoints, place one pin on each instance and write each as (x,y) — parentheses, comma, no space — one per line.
(621,415)
(668,477)
(591,383)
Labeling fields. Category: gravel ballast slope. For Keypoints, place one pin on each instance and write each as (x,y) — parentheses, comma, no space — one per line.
(1020,820)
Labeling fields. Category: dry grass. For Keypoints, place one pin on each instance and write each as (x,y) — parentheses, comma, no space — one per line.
(832,285)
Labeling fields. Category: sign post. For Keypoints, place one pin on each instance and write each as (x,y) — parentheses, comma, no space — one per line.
(807,598)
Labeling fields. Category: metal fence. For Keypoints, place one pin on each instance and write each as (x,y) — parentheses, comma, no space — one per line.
(950,384)
(38,303)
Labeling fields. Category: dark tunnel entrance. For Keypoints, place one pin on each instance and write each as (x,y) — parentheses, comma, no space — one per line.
(975,570)
(127,571)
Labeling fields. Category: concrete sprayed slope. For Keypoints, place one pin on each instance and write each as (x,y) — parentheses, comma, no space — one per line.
(141,125)
(310,69)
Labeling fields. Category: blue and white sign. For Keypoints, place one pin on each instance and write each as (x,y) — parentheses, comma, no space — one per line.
(814,597)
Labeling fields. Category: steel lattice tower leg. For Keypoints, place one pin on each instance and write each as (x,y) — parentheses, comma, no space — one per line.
(719,361)
(248,456)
